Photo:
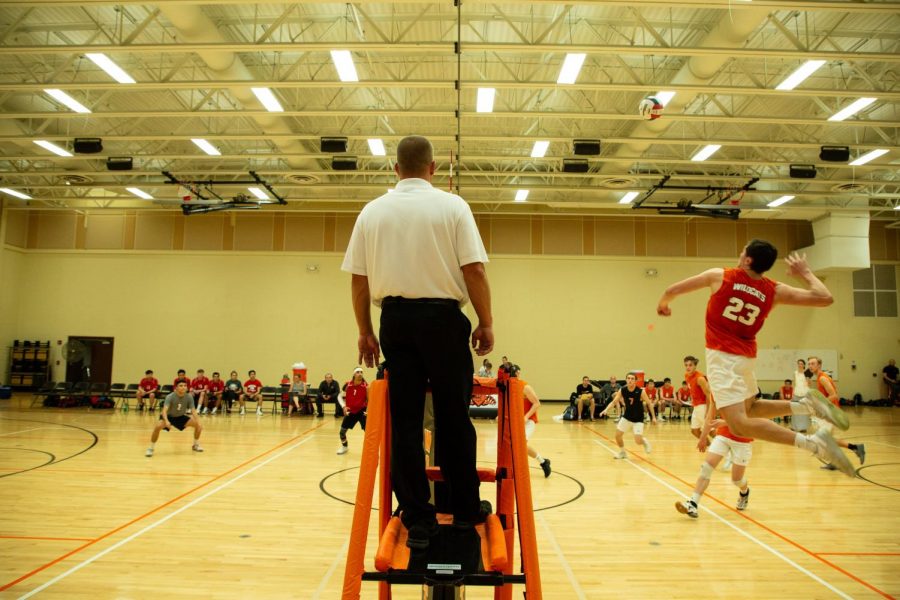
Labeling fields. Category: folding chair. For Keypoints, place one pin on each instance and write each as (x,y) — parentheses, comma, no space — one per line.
(272,393)
(42,392)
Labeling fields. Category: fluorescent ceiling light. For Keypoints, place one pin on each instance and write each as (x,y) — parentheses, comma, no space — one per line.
(627,198)
(779,201)
(570,68)
(63,98)
(267,99)
(376,147)
(260,195)
(343,62)
(540,149)
(111,68)
(852,109)
(206,147)
(705,152)
(485,102)
(15,193)
(521,195)
(139,193)
(52,148)
(664,97)
(797,77)
(868,156)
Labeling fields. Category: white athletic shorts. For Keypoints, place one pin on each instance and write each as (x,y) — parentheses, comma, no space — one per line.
(624,425)
(529,428)
(731,377)
(698,416)
(740,451)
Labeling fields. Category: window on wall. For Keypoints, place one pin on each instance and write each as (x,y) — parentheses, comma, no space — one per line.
(875,291)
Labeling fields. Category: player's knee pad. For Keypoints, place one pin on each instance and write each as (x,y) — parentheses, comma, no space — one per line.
(740,483)
(706,471)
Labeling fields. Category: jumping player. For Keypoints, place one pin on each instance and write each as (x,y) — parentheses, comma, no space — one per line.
(354,403)
(178,411)
(148,387)
(532,404)
(633,400)
(740,300)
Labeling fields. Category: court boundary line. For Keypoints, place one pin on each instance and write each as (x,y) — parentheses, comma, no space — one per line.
(747,535)
(157,523)
(157,509)
(342,553)
(858,553)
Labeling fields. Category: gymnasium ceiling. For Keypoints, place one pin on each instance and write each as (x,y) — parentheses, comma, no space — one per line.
(194,65)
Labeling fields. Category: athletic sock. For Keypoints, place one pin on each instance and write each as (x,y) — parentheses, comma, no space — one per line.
(747,493)
(695,498)
(799,408)
(851,447)
(540,460)
(153,444)
(805,442)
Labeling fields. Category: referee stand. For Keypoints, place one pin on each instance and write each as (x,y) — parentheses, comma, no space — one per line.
(454,558)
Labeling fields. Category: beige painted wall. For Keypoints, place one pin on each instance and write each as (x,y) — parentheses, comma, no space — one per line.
(559,317)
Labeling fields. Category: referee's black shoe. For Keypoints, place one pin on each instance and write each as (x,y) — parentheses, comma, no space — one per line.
(419,534)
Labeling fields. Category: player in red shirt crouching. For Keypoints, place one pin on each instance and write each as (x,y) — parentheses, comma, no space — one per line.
(354,403)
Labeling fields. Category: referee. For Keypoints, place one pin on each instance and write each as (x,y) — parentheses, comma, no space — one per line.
(417,253)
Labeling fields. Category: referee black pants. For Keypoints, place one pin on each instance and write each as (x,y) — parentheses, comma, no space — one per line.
(427,341)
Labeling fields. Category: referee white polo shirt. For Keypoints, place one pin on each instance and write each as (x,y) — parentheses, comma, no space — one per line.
(413,241)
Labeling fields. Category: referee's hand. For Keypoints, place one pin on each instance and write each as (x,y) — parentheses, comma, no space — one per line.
(483,340)
(369,350)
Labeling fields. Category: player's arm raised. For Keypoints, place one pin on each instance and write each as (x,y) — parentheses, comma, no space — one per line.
(816,295)
(711,278)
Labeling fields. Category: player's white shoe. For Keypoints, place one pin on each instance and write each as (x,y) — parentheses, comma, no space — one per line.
(258,412)
(647,447)
(196,448)
(149,452)
(621,454)
(243,411)
(688,508)
(343,450)
(214,410)
(829,452)
(743,500)
(822,408)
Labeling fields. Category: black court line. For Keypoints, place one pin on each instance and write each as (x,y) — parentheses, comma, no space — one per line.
(53,461)
(580,485)
(860,475)
(51,455)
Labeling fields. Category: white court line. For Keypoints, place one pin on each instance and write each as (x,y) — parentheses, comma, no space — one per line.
(342,553)
(737,529)
(24,430)
(155,524)
(882,444)
(548,533)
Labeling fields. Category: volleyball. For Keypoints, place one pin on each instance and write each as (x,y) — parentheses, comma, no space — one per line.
(650,108)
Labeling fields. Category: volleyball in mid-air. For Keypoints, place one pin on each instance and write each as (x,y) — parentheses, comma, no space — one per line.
(650,108)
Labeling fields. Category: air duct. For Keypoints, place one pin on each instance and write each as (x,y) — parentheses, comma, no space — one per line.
(842,242)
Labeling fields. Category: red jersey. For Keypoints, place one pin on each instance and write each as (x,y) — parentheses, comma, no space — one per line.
(667,391)
(200,383)
(698,397)
(724,431)
(684,395)
(252,386)
(787,392)
(216,385)
(528,405)
(736,312)
(651,394)
(148,384)
(820,379)
(179,380)
(355,396)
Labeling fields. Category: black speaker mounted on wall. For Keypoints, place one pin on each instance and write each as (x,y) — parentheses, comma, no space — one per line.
(575,165)
(803,171)
(586,147)
(119,163)
(333,144)
(834,153)
(343,163)
(87,145)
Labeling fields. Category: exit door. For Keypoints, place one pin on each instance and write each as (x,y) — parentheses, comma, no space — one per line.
(89,358)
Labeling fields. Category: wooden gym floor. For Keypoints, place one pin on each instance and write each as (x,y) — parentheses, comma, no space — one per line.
(263,512)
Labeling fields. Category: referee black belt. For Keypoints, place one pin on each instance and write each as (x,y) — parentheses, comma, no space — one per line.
(388,300)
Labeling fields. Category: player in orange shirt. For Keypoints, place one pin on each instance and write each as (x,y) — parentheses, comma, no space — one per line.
(532,404)
(826,386)
(700,393)
(740,300)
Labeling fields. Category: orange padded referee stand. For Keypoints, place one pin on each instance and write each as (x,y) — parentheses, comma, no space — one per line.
(497,534)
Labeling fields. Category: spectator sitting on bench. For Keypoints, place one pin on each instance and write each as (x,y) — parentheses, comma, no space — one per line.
(214,393)
(233,390)
(297,394)
(584,393)
(148,387)
(199,387)
(485,370)
(252,391)
(329,391)
(182,376)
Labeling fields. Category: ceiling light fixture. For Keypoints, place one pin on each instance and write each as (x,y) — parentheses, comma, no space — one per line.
(376,147)
(705,152)
(206,147)
(485,101)
(627,198)
(139,193)
(851,110)
(111,68)
(868,156)
(70,102)
(540,149)
(779,201)
(52,148)
(343,62)
(521,195)
(267,98)
(664,97)
(15,193)
(570,68)
(802,72)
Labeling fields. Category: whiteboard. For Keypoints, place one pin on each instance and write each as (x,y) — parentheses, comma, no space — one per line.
(778,364)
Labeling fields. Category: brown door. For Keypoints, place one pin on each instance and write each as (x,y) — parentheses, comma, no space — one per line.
(94,363)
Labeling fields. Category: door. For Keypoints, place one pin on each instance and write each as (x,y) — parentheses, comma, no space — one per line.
(93,363)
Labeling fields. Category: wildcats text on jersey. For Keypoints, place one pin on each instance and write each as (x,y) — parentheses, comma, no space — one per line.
(743,287)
